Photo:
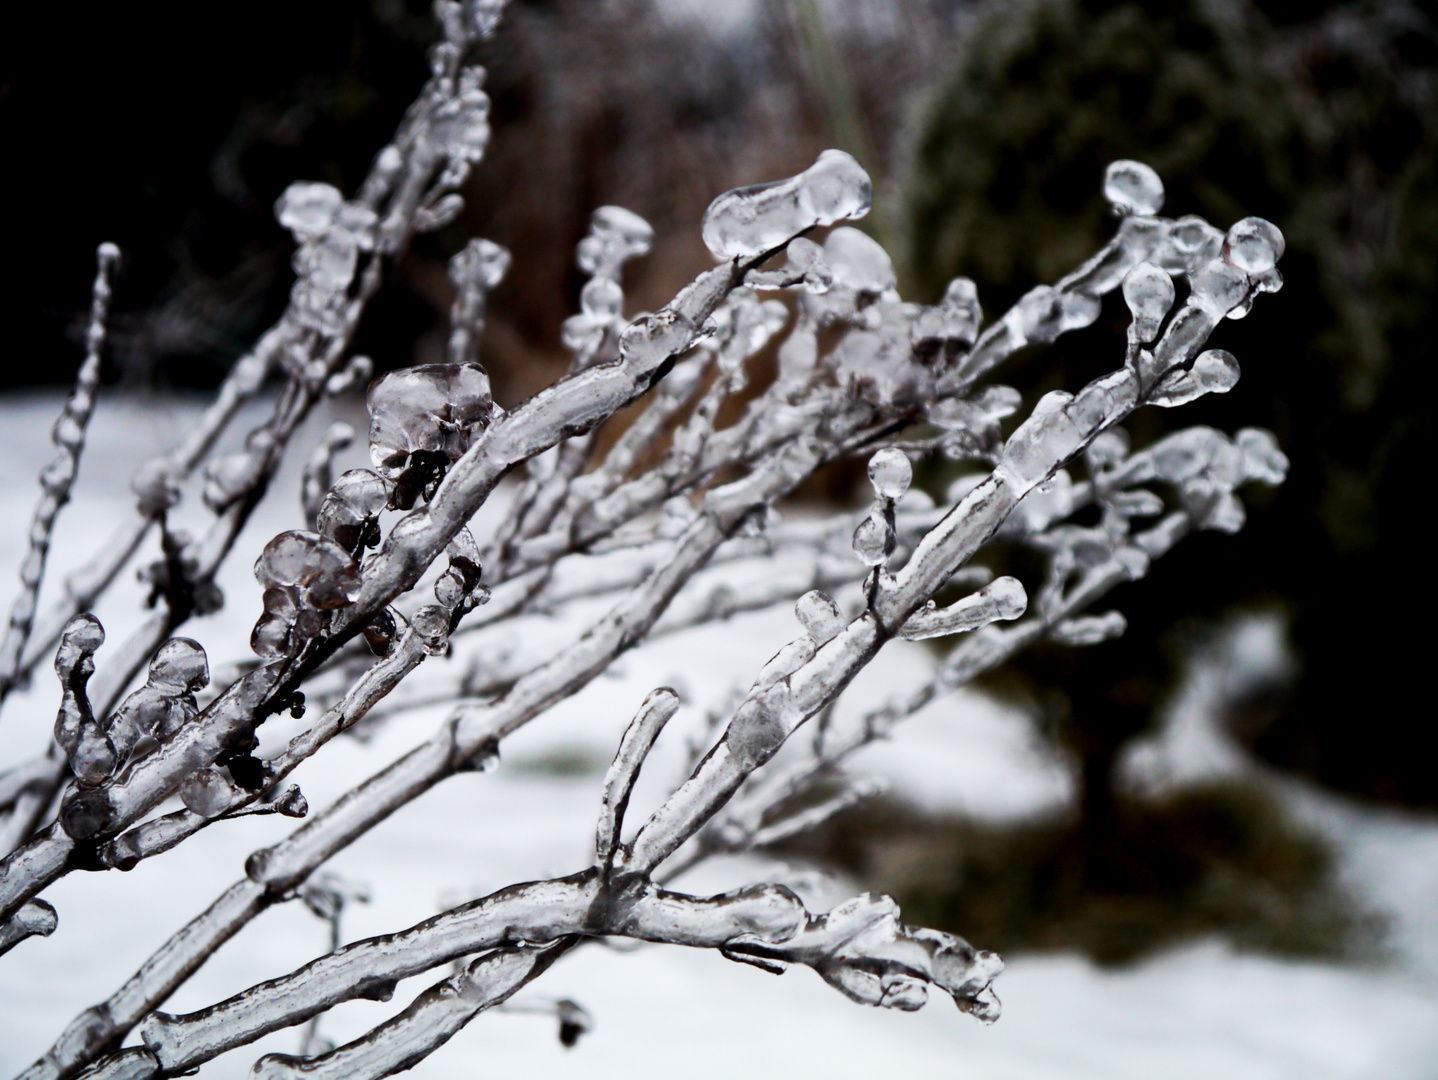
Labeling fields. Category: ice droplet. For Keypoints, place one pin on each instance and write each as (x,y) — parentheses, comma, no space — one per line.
(323,573)
(1254,246)
(955,318)
(749,221)
(874,540)
(1195,241)
(1131,187)
(616,235)
(890,473)
(206,792)
(819,616)
(431,624)
(1148,292)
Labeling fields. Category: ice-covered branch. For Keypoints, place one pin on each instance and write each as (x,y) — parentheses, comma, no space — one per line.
(634,747)
(59,476)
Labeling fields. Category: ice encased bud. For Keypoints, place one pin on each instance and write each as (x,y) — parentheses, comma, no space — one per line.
(749,221)
(91,755)
(480,263)
(206,792)
(306,576)
(754,733)
(166,703)
(1131,187)
(615,236)
(308,209)
(1254,246)
(431,408)
(1262,460)
(350,509)
(322,573)
(891,473)
(180,666)
(819,616)
(1148,291)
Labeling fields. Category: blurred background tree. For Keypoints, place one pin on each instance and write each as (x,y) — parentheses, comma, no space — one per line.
(1324,119)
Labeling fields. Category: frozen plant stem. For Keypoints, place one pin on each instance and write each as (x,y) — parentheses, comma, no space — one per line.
(58,478)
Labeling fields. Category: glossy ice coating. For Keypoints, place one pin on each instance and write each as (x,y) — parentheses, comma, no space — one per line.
(1132,187)
(435,408)
(890,473)
(749,221)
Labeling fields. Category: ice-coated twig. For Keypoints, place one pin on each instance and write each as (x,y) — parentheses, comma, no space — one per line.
(59,476)
(634,747)
(36,917)
(859,947)
(158,478)
(428,1022)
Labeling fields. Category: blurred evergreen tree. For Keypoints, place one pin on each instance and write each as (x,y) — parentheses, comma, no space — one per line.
(1322,118)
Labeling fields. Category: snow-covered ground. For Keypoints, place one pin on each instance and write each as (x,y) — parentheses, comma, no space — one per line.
(1200,1011)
